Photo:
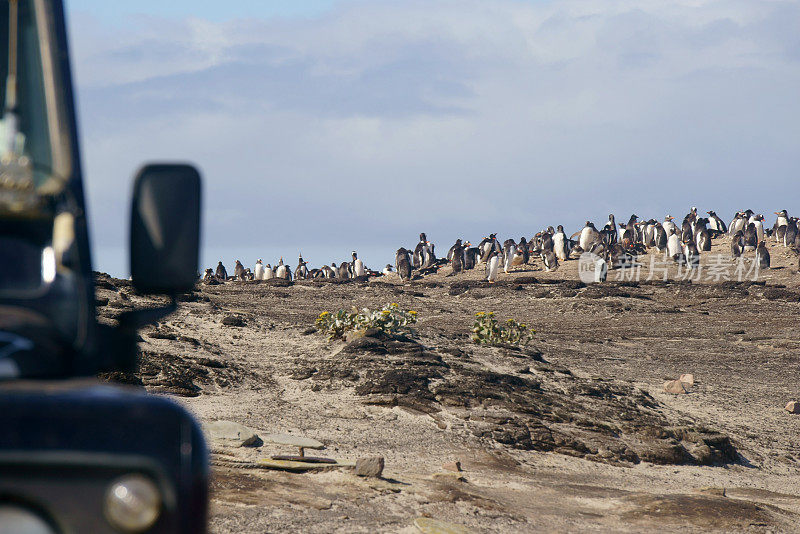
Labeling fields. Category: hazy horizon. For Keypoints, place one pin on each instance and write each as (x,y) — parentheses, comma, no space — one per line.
(334,125)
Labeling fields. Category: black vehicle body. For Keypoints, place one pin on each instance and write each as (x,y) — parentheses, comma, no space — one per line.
(65,438)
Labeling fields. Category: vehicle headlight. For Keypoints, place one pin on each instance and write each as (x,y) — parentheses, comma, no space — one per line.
(16,520)
(132,503)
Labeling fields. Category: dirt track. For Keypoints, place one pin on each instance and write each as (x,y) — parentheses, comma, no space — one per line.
(568,444)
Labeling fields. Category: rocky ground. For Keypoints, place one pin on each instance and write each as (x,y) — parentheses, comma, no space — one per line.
(572,433)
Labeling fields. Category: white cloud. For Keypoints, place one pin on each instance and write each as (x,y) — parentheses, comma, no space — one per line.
(379,119)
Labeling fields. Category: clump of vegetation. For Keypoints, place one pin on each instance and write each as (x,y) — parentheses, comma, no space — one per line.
(488,331)
(391,319)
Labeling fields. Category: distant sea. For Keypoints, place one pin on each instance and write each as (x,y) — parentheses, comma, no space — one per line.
(115,261)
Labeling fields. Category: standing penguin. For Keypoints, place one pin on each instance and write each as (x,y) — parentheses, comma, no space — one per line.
(488,245)
(402,262)
(609,230)
(344,270)
(269,273)
(781,222)
(668,224)
(508,253)
(673,244)
(737,223)
(281,269)
(702,235)
(258,270)
(492,266)
(549,260)
(457,257)
(737,244)
(790,235)
(452,249)
(472,256)
(238,271)
(660,238)
(301,272)
(221,273)
(715,224)
(588,236)
(358,266)
(692,254)
(560,243)
(762,255)
(758,221)
(418,259)
(750,237)
(208,276)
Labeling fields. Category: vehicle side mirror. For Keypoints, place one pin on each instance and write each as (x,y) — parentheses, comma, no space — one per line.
(165,228)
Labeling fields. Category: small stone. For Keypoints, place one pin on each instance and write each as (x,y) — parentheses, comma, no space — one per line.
(449,476)
(233,320)
(676,387)
(688,379)
(792,407)
(452,466)
(231,434)
(369,467)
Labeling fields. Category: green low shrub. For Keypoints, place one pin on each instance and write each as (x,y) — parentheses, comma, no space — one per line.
(391,319)
(488,331)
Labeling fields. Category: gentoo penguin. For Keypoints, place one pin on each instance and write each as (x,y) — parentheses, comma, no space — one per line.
(472,256)
(423,253)
(269,273)
(630,235)
(523,251)
(492,266)
(450,252)
(402,262)
(281,270)
(737,223)
(258,270)
(702,235)
(692,254)
(737,244)
(327,272)
(758,221)
(208,276)
(588,236)
(673,244)
(560,243)
(750,237)
(358,266)
(660,238)
(549,260)
(221,273)
(509,246)
(488,245)
(609,231)
(649,232)
(762,255)
(387,270)
(667,224)
(457,257)
(238,271)
(618,257)
(715,224)
(344,270)
(301,272)
(781,221)
(600,269)
(687,230)
(790,235)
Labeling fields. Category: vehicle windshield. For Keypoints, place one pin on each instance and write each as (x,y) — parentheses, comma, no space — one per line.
(27,148)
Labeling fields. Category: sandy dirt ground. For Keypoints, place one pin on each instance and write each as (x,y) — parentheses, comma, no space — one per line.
(573,434)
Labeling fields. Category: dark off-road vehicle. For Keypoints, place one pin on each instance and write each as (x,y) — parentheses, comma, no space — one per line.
(78,455)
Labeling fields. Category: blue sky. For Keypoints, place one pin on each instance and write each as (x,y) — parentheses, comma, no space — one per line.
(117,12)
(357,125)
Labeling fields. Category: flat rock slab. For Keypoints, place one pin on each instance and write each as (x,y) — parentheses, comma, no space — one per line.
(293,441)
(230,433)
(676,387)
(428,525)
(287,465)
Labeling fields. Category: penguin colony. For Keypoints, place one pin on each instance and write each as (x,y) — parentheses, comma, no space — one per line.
(614,246)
